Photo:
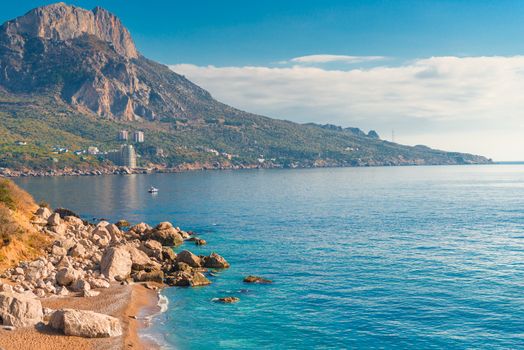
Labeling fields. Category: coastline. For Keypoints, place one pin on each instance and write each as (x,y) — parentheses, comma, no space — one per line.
(11,173)
(92,286)
(122,302)
(142,305)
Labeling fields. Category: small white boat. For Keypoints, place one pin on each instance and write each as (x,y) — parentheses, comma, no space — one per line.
(152,190)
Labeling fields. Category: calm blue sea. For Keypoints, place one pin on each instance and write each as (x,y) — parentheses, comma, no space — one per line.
(374,258)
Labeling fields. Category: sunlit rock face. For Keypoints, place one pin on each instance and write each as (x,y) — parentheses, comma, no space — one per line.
(62,22)
(88,59)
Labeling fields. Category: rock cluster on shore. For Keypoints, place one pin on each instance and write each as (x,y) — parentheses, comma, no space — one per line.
(85,257)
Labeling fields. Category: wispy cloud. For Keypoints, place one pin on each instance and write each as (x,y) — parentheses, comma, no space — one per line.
(316,59)
(471,104)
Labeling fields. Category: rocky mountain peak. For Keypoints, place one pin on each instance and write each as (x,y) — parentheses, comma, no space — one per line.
(63,22)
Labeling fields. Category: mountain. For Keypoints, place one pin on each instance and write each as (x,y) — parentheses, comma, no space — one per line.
(71,78)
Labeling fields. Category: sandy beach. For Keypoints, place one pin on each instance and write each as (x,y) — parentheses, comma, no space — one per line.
(124,302)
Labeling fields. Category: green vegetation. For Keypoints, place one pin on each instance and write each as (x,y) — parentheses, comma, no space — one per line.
(5,195)
(44,122)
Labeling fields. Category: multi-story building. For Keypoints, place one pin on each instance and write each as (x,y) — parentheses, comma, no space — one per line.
(125,156)
(123,135)
(138,136)
(93,150)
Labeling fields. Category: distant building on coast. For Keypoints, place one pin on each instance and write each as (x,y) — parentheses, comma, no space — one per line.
(125,156)
(138,136)
(123,135)
(92,150)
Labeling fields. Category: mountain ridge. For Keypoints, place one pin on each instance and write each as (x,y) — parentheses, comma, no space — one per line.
(62,66)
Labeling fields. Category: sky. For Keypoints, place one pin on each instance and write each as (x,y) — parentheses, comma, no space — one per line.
(447,73)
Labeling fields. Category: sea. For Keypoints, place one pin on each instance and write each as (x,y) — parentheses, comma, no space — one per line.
(428,257)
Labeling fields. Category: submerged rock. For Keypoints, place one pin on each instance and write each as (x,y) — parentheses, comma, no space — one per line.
(215,261)
(187,279)
(200,241)
(256,279)
(227,300)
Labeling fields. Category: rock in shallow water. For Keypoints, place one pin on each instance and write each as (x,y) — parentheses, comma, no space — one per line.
(227,300)
(256,279)
(215,261)
(189,258)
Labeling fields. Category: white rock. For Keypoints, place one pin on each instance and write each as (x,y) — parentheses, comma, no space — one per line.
(54,219)
(39,292)
(116,263)
(80,286)
(58,251)
(43,212)
(99,283)
(62,291)
(19,310)
(6,288)
(86,324)
(66,276)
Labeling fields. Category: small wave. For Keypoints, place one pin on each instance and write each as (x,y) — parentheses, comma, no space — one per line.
(163,303)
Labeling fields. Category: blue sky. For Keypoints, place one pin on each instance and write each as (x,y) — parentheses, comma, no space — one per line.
(240,32)
(449,74)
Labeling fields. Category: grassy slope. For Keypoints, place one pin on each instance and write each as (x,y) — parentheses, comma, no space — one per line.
(18,238)
(45,122)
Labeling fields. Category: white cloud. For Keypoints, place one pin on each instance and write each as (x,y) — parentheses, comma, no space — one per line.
(313,59)
(472,104)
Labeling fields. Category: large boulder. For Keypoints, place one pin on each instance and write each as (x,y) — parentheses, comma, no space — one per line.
(87,324)
(43,213)
(73,220)
(78,251)
(168,254)
(19,310)
(152,248)
(80,285)
(164,226)
(140,228)
(66,276)
(54,219)
(256,279)
(187,279)
(215,261)
(140,260)
(101,236)
(189,258)
(115,232)
(153,276)
(227,300)
(116,263)
(166,234)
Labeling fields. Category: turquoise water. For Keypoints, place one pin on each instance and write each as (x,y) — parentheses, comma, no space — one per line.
(375,258)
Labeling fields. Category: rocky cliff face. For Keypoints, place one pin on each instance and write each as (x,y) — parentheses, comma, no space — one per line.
(61,23)
(89,59)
